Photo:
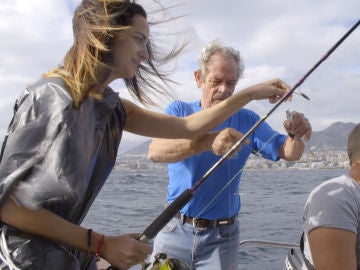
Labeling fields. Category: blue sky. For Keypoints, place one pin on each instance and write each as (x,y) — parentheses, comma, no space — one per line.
(277,38)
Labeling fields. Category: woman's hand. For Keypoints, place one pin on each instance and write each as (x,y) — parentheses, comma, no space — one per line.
(272,90)
(125,251)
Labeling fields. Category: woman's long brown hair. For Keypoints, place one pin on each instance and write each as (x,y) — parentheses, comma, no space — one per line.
(88,62)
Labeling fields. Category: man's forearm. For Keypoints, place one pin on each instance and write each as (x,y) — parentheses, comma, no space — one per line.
(292,149)
(174,150)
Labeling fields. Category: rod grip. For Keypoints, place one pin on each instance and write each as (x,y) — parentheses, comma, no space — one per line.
(166,216)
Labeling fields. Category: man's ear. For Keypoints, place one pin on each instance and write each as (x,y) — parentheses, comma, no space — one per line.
(197,75)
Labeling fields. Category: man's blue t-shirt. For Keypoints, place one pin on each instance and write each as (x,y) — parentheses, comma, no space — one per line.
(217,197)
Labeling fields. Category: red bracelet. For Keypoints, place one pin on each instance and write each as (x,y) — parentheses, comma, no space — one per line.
(98,248)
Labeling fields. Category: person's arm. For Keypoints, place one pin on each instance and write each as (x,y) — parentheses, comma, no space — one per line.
(333,249)
(173,150)
(293,147)
(121,251)
(152,124)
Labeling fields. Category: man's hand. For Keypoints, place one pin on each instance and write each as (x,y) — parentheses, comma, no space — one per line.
(225,139)
(297,125)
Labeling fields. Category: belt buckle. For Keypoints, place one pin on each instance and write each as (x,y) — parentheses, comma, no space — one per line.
(193,222)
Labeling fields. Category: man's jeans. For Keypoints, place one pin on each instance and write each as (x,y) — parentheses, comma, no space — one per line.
(201,249)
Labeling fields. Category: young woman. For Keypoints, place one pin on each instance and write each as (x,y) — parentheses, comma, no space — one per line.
(63,139)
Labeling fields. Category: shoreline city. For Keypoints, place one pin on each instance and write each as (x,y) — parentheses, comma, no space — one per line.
(309,160)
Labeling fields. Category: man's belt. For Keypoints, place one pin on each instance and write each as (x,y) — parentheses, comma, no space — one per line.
(206,223)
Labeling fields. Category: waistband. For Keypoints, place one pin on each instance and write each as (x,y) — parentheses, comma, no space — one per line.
(206,223)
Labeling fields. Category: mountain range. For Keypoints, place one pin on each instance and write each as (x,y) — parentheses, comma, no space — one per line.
(333,138)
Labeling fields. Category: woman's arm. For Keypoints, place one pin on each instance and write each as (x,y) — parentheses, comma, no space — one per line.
(173,150)
(121,251)
(333,249)
(152,124)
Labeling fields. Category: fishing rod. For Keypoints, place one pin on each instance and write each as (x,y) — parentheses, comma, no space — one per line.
(173,208)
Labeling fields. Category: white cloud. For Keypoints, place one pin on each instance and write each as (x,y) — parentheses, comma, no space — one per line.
(277,38)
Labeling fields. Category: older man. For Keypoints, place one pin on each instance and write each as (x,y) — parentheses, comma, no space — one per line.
(205,234)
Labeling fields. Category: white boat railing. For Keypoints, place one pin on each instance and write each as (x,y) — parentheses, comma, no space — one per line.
(270,244)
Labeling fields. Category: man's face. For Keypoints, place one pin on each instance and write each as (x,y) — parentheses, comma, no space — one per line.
(220,80)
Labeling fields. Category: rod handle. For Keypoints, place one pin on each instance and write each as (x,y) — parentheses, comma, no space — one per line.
(166,216)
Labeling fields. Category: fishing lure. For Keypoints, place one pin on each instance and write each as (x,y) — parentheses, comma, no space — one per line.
(290,115)
(303,95)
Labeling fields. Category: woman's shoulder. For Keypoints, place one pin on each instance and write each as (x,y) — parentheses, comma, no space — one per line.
(47,95)
(47,98)
(50,87)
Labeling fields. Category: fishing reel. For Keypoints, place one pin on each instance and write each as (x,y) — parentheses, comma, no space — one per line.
(162,262)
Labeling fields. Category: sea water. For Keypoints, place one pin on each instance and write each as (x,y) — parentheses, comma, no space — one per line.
(272,204)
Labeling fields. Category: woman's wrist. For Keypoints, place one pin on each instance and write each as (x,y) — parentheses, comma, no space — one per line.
(95,242)
(247,94)
(99,247)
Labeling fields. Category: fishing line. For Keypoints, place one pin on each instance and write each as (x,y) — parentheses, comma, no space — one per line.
(186,196)
(228,183)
